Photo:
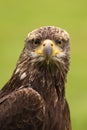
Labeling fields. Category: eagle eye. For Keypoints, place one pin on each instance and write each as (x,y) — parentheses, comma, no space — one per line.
(59,43)
(36,42)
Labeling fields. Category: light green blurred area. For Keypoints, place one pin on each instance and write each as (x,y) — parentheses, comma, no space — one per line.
(17,18)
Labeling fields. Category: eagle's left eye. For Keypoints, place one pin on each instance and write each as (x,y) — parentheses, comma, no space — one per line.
(59,43)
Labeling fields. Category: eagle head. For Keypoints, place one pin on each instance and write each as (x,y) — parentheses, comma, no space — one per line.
(48,45)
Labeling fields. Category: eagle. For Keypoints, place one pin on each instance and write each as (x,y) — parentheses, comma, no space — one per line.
(34,97)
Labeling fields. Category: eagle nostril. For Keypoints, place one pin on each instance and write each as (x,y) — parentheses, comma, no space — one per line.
(44,44)
(51,44)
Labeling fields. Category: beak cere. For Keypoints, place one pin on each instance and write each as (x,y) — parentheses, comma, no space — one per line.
(47,49)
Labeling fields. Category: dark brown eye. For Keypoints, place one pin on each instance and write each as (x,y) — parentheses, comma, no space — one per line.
(59,43)
(36,42)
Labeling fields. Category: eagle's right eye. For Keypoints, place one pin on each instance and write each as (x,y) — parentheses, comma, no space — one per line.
(36,42)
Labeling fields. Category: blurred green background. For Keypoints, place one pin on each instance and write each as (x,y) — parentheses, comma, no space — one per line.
(17,18)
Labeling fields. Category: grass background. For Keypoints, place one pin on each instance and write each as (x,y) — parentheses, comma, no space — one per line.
(17,18)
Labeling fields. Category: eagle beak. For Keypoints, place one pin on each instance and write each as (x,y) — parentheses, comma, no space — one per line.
(48,49)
